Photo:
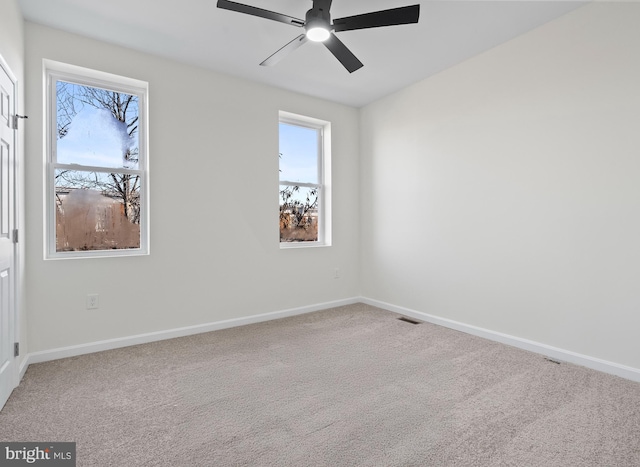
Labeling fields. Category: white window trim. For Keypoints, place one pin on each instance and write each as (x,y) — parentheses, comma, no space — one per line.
(324,178)
(54,71)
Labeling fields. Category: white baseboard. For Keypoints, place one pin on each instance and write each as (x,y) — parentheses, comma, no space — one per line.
(23,367)
(553,352)
(532,346)
(75,350)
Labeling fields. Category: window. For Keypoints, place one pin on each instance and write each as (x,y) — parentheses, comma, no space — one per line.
(97,180)
(304,170)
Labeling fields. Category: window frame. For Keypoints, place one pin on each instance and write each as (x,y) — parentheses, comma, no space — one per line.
(57,71)
(324,177)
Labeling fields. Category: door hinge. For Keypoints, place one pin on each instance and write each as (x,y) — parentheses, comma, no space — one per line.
(16,349)
(16,117)
(15,235)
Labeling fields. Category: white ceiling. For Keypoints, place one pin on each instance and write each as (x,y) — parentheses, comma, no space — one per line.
(198,33)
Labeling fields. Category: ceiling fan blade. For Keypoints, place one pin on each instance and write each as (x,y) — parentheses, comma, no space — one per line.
(392,17)
(286,50)
(259,12)
(344,55)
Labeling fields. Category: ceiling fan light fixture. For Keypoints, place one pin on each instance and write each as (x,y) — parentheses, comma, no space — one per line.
(318,34)
(317,24)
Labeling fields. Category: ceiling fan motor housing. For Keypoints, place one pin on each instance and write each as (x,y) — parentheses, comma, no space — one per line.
(317,18)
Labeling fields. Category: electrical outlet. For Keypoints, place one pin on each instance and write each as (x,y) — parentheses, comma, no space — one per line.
(92,301)
(336,273)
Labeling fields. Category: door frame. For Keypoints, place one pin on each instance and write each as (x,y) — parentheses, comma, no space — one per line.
(15,264)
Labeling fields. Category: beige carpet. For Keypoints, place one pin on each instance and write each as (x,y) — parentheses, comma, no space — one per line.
(351,386)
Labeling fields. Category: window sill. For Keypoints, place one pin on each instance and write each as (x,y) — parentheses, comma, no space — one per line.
(96,254)
(298,245)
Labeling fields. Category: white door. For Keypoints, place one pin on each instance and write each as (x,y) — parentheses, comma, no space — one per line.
(8,371)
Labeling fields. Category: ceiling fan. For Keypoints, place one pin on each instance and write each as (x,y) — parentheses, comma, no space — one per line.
(319,28)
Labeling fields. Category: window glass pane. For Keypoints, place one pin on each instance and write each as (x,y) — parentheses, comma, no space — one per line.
(96,211)
(298,153)
(299,213)
(96,127)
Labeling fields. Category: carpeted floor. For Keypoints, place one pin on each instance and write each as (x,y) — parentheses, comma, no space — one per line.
(351,386)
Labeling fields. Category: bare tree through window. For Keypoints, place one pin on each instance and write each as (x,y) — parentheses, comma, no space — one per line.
(97,177)
(300,182)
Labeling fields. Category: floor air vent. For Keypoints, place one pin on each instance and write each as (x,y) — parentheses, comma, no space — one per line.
(408,320)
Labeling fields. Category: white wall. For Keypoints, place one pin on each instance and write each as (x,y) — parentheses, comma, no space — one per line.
(504,193)
(214,206)
(12,36)
(12,50)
